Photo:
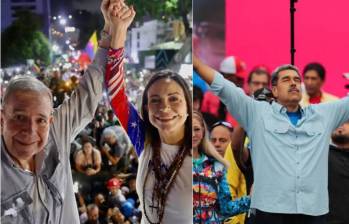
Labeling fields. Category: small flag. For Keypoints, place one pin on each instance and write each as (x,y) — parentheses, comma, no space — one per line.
(92,45)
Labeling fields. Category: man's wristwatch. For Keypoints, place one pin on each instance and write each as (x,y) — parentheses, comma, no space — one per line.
(104,42)
(105,35)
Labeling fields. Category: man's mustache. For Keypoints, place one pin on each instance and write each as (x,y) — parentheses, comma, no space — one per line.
(293,89)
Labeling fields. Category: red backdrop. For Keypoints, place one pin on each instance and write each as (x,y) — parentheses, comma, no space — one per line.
(258,31)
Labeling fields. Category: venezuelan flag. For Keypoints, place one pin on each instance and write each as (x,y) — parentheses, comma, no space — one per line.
(92,46)
(124,110)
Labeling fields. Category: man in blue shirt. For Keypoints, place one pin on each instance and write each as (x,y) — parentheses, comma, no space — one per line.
(289,145)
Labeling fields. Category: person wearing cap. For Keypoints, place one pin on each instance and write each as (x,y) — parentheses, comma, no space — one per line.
(314,75)
(289,145)
(115,197)
(233,69)
(36,179)
(117,200)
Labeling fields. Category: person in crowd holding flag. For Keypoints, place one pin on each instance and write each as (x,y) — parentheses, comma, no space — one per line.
(212,201)
(36,179)
(162,137)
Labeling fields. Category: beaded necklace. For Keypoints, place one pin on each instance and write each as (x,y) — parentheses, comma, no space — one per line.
(163,181)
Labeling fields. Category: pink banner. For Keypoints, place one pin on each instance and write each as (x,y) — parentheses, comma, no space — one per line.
(259,33)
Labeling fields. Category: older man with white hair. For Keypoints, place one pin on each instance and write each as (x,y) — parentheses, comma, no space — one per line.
(36,182)
(115,147)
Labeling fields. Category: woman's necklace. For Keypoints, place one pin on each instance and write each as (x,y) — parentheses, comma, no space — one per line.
(163,183)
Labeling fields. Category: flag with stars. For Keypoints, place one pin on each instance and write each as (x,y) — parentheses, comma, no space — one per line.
(124,110)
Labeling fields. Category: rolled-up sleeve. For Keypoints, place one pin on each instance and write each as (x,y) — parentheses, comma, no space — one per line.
(76,112)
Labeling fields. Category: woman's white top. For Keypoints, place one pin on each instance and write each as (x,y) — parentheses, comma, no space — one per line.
(179,204)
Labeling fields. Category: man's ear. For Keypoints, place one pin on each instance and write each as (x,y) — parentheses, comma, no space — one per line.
(50,120)
(274,91)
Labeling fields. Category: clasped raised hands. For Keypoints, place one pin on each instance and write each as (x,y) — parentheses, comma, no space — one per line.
(121,15)
(116,15)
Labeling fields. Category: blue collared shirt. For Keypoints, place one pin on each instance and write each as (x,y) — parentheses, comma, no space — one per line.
(290,162)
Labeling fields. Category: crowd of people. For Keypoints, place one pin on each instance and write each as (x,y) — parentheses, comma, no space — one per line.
(254,149)
(104,168)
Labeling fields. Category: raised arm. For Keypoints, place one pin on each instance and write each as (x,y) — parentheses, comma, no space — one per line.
(240,152)
(238,103)
(335,113)
(205,71)
(74,114)
(121,18)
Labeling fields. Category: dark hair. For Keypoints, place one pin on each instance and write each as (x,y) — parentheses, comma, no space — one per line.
(319,68)
(131,177)
(275,74)
(258,71)
(197,94)
(85,141)
(99,118)
(152,134)
(153,138)
(263,94)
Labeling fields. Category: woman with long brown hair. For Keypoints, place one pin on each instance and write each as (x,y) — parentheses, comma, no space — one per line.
(161,136)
